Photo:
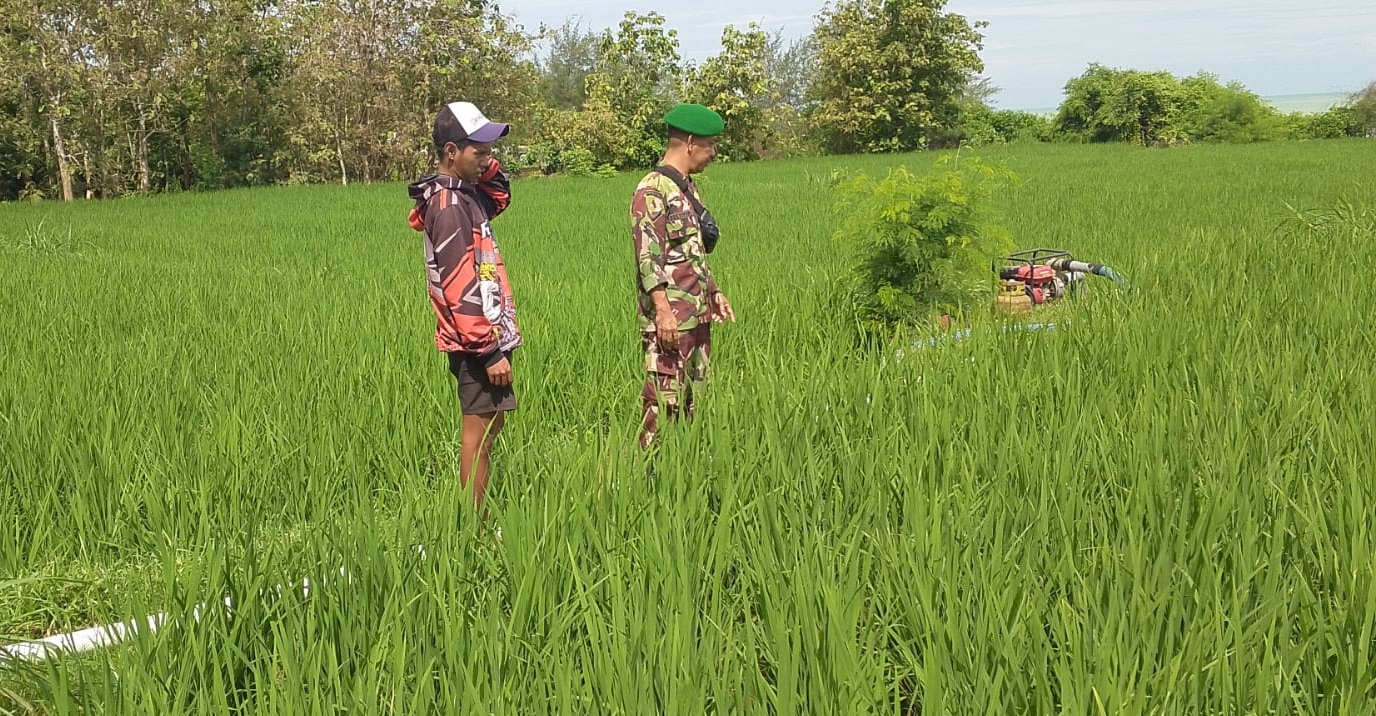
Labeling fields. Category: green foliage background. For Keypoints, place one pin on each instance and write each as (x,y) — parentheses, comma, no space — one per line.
(103,100)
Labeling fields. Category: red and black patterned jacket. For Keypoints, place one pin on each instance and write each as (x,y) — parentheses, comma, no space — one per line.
(469,288)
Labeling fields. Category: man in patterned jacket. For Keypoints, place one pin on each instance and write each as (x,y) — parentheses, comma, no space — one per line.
(678,297)
(469,290)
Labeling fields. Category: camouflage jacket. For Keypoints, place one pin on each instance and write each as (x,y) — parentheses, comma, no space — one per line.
(669,252)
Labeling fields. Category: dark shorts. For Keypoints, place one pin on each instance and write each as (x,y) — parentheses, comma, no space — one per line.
(476,395)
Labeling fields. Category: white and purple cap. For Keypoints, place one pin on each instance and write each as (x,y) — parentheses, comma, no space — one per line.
(463,121)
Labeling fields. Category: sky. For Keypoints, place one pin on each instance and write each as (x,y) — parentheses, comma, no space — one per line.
(1032,47)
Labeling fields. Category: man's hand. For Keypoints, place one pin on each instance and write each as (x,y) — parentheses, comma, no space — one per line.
(721,309)
(666,329)
(666,325)
(499,373)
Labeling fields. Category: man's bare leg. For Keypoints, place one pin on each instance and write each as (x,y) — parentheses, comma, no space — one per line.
(476,461)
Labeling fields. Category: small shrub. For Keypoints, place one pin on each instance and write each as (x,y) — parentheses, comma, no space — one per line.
(919,246)
(578,162)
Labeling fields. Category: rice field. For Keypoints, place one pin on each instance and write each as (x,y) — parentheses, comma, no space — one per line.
(1163,506)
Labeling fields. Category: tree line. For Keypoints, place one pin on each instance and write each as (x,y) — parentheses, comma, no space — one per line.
(103,98)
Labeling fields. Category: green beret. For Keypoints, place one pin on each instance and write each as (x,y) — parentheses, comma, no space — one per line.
(696,120)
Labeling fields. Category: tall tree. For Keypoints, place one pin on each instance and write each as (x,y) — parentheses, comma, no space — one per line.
(736,84)
(791,67)
(1214,112)
(1110,105)
(890,72)
(23,150)
(340,84)
(639,75)
(134,45)
(112,96)
(367,76)
(1363,110)
(571,55)
(48,56)
(1148,108)
(228,107)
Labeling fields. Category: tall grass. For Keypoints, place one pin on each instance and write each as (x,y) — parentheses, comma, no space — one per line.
(1161,506)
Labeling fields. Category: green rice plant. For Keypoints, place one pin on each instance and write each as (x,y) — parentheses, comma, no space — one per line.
(22,684)
(1343,219)
(37,238)
(1162,506)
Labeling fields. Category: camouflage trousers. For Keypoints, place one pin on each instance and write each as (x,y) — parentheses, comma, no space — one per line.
(670,376)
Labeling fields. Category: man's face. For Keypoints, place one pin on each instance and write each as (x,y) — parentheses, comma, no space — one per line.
(470,162)
(701,152)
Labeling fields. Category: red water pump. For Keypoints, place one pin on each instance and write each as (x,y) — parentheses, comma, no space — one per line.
(1038,276)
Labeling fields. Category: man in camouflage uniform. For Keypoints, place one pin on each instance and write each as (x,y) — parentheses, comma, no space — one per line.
(678,297)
